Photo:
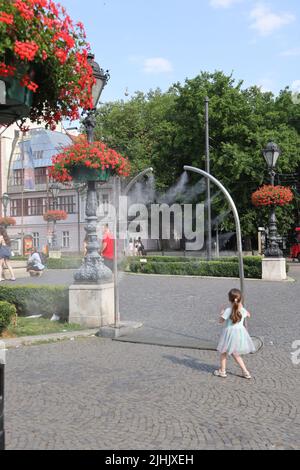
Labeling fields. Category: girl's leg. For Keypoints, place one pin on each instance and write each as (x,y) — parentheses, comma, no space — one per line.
(223,362)
(240,362)
(10,270)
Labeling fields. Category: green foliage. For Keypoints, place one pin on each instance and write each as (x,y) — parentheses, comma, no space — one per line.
(39,326)
(37,300)
(7,312)
(63,263)
(197,268)
(166,131)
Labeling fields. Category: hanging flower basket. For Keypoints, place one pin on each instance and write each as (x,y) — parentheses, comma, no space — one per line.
(7,221)
(269,195)
(55,216)
(43,62)
(83,162)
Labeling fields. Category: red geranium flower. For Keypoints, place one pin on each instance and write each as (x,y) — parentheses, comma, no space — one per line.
(39,40)
(269,195)
(83,154)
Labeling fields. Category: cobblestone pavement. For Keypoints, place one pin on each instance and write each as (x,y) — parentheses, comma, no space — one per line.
(101,394)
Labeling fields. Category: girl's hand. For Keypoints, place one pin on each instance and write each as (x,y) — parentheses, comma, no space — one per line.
(222,310)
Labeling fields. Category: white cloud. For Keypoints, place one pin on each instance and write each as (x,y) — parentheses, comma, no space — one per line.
(265,21)
(294,52)
(223,3)
(266,85)
(157,65)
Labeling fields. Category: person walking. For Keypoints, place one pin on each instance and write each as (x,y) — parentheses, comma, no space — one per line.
(235,339)
(5,254)
(107,248)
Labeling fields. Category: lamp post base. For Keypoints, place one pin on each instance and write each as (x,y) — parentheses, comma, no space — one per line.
(93,271)
(91,306)
(274,269)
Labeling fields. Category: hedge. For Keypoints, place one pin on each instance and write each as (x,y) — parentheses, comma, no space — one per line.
(7,312)
(202,268)
(63,263)
(248,260)
(37,300)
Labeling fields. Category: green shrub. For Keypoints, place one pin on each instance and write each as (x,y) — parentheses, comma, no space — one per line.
(7,312)
(195,268)
(37,300)
(63,263)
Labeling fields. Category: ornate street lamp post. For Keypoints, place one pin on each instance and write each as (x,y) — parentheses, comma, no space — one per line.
(93,270)
(272,153)
(55,190)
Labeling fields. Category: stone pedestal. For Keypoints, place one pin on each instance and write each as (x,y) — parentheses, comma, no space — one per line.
(56,254)
(91,305)
(274,269)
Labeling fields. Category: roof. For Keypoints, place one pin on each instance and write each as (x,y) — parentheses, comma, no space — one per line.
(44,144)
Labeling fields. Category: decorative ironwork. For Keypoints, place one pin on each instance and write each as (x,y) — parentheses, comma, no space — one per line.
(93,270)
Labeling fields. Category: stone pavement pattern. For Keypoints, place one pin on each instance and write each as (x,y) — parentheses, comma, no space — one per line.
(101,394)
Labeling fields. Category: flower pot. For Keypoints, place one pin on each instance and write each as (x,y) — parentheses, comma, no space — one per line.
(15,100)
(82,174)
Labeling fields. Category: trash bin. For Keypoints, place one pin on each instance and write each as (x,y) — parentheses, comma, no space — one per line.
(2,370)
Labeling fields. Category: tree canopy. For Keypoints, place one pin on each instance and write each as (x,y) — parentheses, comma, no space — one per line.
(167,131)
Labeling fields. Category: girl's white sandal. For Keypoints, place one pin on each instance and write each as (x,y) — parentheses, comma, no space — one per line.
(247,375)
(219,373)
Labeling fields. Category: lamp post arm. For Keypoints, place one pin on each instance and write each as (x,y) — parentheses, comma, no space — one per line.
(236,218)
(136,178)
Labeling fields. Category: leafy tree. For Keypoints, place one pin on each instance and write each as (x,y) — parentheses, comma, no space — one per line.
(166,131)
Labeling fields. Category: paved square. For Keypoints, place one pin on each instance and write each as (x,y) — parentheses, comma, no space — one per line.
(100,394)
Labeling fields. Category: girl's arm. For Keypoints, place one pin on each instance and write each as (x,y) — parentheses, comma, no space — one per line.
(248,314)
(221,319)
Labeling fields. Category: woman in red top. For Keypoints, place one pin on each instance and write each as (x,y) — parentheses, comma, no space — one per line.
(107,249)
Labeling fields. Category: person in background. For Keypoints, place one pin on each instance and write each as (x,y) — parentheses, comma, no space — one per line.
(34,263)
(85,241)
(141,248)
(130,248)
(107,248)
(5,254)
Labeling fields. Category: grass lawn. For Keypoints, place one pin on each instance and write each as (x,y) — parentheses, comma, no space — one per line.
(37,326)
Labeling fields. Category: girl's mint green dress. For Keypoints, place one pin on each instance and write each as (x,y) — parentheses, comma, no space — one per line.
(235,339)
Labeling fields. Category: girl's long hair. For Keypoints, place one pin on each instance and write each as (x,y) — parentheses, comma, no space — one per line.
(235,297)
(3,232)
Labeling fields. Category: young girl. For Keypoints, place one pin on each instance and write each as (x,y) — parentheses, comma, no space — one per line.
(235,339)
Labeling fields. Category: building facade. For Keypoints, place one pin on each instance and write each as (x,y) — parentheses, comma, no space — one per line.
(29,188)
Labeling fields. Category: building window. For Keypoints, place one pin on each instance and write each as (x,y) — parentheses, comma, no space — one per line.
(67,204)
(40,175)
(16,207)
(34,206)
(36,240)
(18,177)
(105,203)
(38,154)
(66,239)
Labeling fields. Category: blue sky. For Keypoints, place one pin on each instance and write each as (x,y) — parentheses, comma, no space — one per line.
(154,43)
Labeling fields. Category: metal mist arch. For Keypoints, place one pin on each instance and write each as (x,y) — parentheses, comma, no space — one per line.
(236,218)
